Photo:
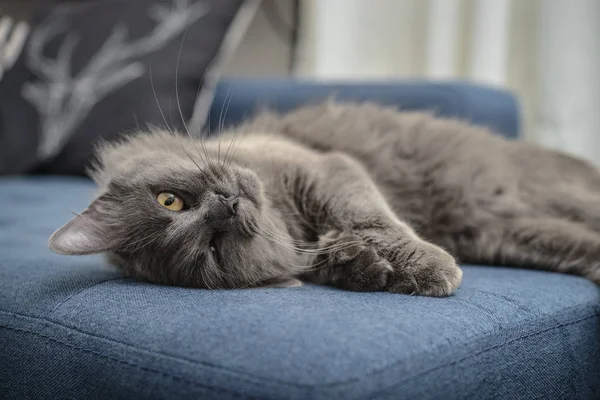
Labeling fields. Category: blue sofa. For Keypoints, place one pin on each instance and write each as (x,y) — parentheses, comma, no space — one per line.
(72,328)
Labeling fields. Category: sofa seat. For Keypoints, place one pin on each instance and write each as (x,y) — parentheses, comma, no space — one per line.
(70,327)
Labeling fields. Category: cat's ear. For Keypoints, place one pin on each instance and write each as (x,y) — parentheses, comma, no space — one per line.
(280,282)
(88,233)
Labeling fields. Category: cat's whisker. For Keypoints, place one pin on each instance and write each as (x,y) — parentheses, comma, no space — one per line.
(133,245)
(208,285)
(225,160)
(146,240)
(149,242)
(231,147)
(226,111)
(156,100)
(205,133)
(299,242)
(179,101)
(319,251)
(291,240)
(207,279)
(285,241)
(222,121)
(232,144)
(177,85)
(169,129)
(243,135)
(222,127)
(204,150)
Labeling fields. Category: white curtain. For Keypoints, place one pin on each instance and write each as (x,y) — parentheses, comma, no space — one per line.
(546,51)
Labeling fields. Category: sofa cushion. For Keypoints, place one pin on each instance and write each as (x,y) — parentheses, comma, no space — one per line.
(94,70)
(71,327)
(495,108)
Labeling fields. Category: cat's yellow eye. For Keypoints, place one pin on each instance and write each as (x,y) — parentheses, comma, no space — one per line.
(170,201)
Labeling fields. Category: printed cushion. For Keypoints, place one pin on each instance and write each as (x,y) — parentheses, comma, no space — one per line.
(95,69)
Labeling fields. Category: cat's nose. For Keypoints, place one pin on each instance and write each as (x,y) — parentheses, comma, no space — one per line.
(230,202)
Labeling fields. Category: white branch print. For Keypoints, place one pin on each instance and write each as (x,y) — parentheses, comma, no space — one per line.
(64,99)
(12,39)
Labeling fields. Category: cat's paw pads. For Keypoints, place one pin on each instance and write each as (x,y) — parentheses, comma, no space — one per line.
(430,271)
(355,266)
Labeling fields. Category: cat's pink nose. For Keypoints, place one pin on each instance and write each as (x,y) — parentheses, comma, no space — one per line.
(230,202)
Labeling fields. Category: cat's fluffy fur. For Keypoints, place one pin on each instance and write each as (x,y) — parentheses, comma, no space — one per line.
(354,195)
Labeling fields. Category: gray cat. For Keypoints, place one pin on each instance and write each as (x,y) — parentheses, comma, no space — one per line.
(357,196)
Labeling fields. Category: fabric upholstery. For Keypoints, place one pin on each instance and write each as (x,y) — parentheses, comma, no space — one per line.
(72,328)
(237,99)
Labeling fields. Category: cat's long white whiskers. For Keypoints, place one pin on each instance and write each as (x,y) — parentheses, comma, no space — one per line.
(205,280)
(165,119)
(143,239)
(177,85)
(232,146)
(221,122)
(288,241)
(156,99)
(322,251)
(243,135)
(262,230)
(299,242)
(178,100)
(319,251)
(227,105)
(151,241)
(147,240)
(296,241)
(225,161)
(208,281)
(226,111)
(205,150)
(207,131)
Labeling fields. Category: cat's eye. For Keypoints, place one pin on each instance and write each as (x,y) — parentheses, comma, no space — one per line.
(170,201)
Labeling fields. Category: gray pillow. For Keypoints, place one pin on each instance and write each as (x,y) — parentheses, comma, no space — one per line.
(87,71)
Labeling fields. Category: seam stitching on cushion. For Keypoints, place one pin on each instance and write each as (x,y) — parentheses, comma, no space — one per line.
(56,307)
(240,374)
(129,363)
(331,384)
(500,345)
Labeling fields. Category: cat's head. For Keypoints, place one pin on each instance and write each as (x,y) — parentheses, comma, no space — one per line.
(168,212)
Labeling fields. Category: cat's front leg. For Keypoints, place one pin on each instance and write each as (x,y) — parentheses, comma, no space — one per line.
(418,267)
(364,246)
(347,262)
(384,259)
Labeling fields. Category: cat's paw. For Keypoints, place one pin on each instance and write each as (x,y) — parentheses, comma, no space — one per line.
(348,263)
(424,269)
(376,262)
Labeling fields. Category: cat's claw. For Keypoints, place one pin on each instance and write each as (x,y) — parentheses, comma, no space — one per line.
(430,272)
(441,285)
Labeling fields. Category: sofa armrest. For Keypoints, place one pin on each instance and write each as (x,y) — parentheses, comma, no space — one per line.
(237,99)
